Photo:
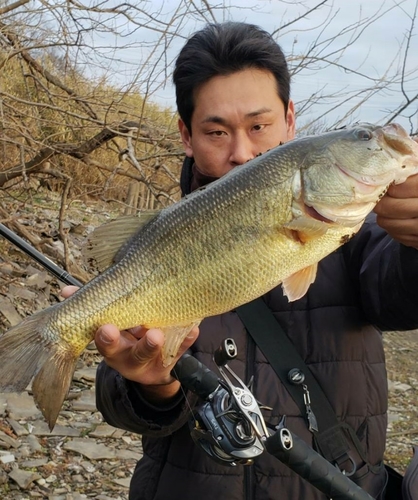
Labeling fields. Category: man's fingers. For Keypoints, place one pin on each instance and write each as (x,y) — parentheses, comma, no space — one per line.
(67,291)
(406,189)
(397,208)
(108,341)
(149,346)
(189,340)
(154,338)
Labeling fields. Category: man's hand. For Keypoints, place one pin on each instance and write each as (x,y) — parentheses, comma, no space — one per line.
(136,355)
(397,212)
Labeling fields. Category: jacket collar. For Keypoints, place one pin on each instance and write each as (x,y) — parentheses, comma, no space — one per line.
(191,178)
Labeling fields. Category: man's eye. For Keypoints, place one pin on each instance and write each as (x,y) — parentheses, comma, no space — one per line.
(217,133)
(258,127)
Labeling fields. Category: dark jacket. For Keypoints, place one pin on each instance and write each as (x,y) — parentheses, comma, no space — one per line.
(366,286)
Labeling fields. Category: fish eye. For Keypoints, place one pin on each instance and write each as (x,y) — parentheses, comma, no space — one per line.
(363,134)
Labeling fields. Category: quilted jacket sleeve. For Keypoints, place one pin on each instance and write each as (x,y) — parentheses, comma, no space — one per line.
(387,277)
(122,405)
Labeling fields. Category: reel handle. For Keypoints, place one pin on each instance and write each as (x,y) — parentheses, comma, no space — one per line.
(195,376)
(302,459)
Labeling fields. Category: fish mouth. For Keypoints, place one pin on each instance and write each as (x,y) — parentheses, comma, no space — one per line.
(347,215)
(312,212)
(365,184)
(350,214)
(397,139)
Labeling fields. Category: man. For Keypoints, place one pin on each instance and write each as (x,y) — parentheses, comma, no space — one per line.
(233,97)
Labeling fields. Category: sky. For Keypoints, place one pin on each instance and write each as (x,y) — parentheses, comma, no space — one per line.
(374,34)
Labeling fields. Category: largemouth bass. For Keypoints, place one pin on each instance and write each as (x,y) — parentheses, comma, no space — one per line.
(266,222)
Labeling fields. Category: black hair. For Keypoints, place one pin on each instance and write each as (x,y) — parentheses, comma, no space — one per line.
(223,49)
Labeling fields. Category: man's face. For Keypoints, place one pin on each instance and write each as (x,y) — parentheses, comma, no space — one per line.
(236,117)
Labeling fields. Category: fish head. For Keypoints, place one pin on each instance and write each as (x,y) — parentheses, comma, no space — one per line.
(349,170)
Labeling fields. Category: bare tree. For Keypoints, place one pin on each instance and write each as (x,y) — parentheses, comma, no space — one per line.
(56,103)
(329,106)
(80,79)
(73,71)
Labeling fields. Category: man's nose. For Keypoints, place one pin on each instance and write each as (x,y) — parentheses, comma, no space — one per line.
(242,150)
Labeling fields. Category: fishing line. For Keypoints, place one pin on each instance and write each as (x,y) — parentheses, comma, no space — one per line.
(184,392)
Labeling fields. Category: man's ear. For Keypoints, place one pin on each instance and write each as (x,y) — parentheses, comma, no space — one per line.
(291,120)
(186,138)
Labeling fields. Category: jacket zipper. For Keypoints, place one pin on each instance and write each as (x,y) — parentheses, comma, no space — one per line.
(249,474)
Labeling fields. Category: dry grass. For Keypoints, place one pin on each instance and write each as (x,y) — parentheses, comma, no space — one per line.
(37,114)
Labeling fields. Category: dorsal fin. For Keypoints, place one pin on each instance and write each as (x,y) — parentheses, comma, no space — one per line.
(101,247)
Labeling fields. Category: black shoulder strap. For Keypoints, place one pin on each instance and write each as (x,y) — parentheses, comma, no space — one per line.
(283,357)
(280,352)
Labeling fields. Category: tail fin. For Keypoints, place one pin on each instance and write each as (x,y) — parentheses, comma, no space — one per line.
(27,351)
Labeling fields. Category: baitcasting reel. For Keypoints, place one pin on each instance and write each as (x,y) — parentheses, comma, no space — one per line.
(229,425)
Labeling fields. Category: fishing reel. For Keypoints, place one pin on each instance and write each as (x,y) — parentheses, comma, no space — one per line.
(228,425)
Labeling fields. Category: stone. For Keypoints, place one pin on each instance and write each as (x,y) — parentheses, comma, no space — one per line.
(21,292)
(88,466)
(123,482)
(88,374)
(34,443)
(40,428)
(7,441)
(6,458)
(128,455)
(36,462)
(103,431)
(22,406)
(9,311)
(86,402)
(23,478)
(38,279)
(18,429)
(398,386)
(90,449)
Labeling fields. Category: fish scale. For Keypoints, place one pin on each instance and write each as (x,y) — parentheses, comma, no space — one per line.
(267,222)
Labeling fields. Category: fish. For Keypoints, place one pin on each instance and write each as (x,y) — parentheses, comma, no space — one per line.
(266,222)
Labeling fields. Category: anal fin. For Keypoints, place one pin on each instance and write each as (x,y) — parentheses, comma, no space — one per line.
(174,336)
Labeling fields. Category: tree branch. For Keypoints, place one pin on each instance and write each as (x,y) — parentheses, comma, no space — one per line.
(76,151)
(13,6)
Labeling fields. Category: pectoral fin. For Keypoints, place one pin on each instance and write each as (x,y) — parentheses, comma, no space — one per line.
(296,285)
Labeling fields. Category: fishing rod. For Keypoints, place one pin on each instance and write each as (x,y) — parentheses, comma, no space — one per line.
(50,266)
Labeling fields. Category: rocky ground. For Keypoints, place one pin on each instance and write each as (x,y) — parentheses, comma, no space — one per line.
(401,349)
(83,457)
